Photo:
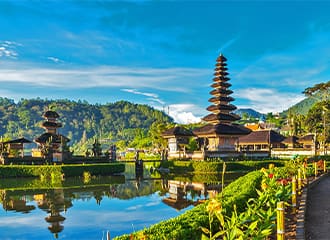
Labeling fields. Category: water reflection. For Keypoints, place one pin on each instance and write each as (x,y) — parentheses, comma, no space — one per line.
(54,202)
(114,203)
(183,194)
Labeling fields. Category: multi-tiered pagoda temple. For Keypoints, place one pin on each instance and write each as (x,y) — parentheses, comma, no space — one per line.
(221,133)
(51,144)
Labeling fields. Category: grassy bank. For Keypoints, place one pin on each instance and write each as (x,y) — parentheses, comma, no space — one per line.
(54,171)
(216,167)
(188,225)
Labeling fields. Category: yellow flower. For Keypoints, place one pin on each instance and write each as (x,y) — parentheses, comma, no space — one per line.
(264,171)
(271,166)
(213,206)
(264,186)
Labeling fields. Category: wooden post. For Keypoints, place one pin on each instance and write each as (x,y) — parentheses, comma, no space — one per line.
(299,181)
(324,166)
(315,169)
(294,194)
(280,221)
(304,175)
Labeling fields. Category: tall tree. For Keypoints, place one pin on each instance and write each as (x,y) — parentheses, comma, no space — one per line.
(320,88)
(317,121)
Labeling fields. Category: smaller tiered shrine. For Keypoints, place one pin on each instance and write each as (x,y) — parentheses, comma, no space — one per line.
(51,144)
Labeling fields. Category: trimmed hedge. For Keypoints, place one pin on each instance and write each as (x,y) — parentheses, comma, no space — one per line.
(215,167)
(8,171)
(26,184)
(188,225)
(93,169)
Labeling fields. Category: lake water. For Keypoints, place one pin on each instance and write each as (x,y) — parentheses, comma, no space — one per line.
(78,209)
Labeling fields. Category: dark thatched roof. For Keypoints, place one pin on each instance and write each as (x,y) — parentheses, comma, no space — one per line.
(51,124)
(229,107)
(221,117)
(222,99)
(220,74)
(221,84)
(51,114)
(221,58)
(177,131)
(19,140)
(306,138)
(262,137)
(219,91)
(177,204)
(55,138)
(222,129)
(291,140)
(219,79)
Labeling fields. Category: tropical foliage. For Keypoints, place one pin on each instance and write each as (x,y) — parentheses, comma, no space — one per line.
(188,225)
(125,123)
(245,209)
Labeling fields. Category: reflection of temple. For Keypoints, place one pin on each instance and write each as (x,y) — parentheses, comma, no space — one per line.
(183,194)
(15,204)
(51,144)
(54,202)
(138,173)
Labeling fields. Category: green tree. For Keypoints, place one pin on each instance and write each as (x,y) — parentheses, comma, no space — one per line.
(320,88)
(155,133)
(317,121)
(317,117)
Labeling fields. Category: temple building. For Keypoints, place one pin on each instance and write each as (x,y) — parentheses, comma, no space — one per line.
(262,140)
(51,144)
(178,138)
(219,137)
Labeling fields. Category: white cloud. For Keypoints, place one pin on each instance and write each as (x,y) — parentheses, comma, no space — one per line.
(151,96)
(106,76)
(229,43)
(8,49)
(267,100)
(55,60)
(185,113)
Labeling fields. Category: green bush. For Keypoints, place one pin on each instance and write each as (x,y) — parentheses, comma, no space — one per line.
(56,171)
(188,225)
(72,182)
(216,166)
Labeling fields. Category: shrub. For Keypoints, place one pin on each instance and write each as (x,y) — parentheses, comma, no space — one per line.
(52,172)
(188,225)
(216,166)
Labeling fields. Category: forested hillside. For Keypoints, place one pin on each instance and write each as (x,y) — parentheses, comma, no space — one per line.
(305,105)
(120,121)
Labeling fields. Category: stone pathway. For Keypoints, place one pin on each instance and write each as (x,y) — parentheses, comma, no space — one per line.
(317,215)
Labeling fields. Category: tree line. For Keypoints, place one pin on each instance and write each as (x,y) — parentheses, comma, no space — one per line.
(123,123)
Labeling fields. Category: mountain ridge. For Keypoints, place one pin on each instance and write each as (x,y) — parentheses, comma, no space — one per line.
(80,119)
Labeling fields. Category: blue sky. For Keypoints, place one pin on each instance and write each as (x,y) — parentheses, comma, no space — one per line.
(162,53)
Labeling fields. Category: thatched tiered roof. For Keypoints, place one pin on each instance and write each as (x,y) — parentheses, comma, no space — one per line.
(262,137)
(221,119)
(221,109)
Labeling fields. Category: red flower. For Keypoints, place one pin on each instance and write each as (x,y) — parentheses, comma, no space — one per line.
(271,175)
(284,182)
